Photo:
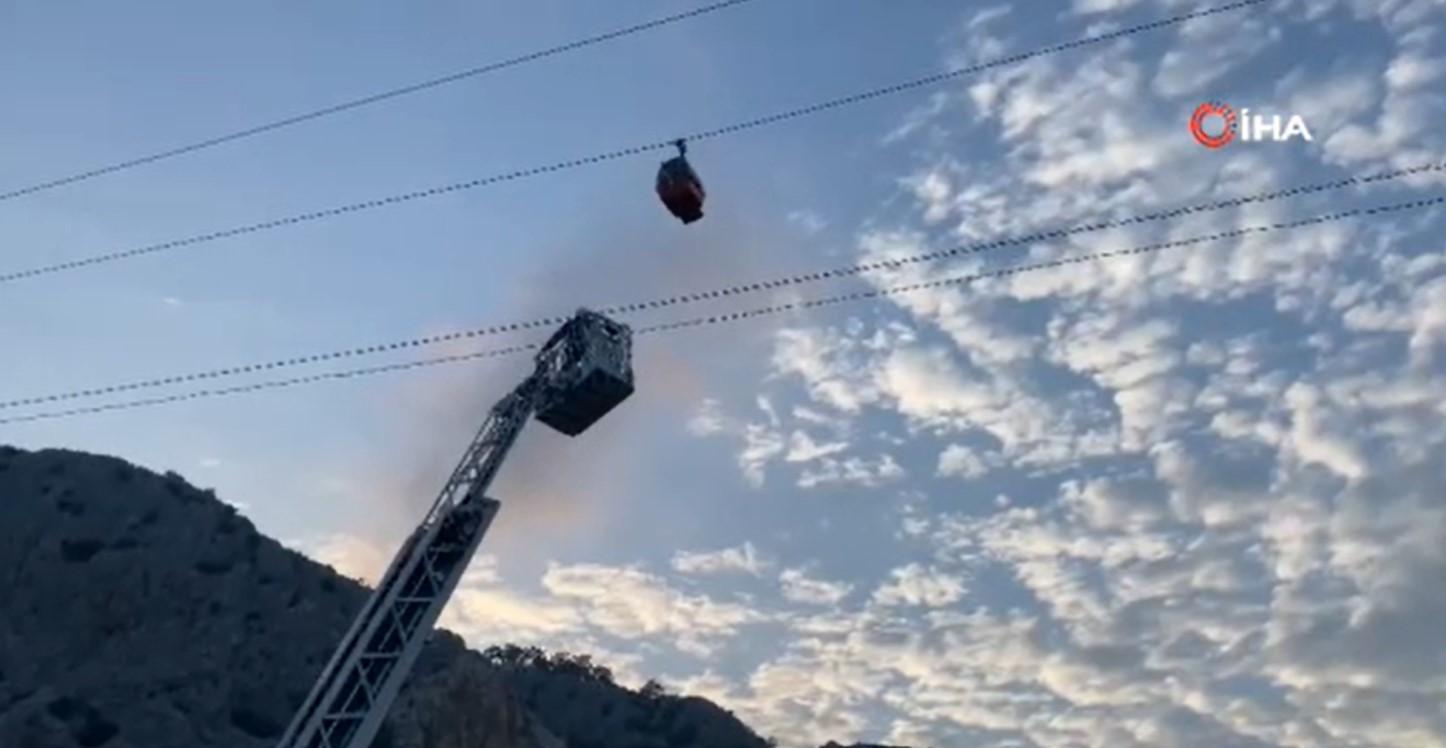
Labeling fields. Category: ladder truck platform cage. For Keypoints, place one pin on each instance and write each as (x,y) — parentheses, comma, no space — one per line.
(581,373)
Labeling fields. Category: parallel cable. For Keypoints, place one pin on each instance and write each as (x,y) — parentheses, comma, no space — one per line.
(740,315)
(738,289)
(274,384)
(947,75)
(374,98)
(614,155)
(1013,270)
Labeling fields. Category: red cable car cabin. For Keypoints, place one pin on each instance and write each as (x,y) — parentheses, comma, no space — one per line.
(679,187)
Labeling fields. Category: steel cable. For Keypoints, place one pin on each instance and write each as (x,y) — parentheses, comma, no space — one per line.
(735,290)
(614,155)
(372,99)
(759,311)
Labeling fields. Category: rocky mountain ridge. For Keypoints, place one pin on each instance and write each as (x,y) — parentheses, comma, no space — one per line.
(137,611)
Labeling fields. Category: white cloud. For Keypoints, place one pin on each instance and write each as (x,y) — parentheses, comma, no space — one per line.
(802,448)
(350,555)
(743,558)
(633,604)
(930,386)
(1217,46)
(961,462)
(915,584)
(708,419)
(1216,467)
(799,587)
(856,471)
(1402,133)
(829,362)
(1412,70)
(760,444)
(1240,548)
(486,613)
(808,221)
(1119,502)
(1315,439)
(933,190)
(1102,6)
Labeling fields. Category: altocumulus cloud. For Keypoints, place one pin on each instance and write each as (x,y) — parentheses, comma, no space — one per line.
(1225,525)
(1188,499)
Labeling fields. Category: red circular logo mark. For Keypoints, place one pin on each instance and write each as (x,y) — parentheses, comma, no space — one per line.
(1206,111)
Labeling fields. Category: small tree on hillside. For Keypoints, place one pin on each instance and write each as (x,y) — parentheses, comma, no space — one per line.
(653,691)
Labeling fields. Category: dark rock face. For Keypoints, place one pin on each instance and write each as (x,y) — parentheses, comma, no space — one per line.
(137,611)
(592,714)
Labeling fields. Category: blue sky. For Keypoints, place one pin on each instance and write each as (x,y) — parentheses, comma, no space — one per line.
(1184,499)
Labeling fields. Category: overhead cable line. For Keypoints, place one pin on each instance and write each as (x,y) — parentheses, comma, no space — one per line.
(736,290)
(620,153)
(274,384)
(735,316)
(373,99)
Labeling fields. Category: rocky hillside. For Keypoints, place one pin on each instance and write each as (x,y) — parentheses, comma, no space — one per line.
(579,701)
(137,611)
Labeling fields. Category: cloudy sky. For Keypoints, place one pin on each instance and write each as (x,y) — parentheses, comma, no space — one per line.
(1190,497)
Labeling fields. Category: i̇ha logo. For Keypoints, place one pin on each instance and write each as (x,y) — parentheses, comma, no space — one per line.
(1215,125)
